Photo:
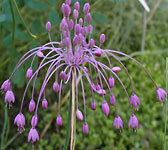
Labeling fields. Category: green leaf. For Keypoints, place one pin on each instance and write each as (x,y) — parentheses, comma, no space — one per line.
(21,35)
(100,18)
(53,17)
(52,2)
(2,17)
(37,27)
(36,5)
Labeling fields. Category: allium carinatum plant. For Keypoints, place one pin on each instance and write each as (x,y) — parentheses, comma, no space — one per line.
(66,61)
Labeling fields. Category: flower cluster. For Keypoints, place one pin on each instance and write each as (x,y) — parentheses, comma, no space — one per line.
(70,57)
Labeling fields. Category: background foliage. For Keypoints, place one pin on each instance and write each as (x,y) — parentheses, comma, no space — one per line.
(122,22)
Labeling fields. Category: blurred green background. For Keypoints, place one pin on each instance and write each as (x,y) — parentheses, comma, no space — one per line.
(123,22)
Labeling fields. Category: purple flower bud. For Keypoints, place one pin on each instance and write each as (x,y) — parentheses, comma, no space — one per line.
(102,38)
(134,101)
(56,86)
(59,120)
(9,97)
(33,135)
(90,28)
(81,21)
(6,86)
(62,24)
(112,100)
(85,128)
(39,54)
(63,75)
(77,29)
(66,10)
(29,73)
(75,40)
(44,104)
(20,121)
(75,14)
(67,41)
(133,122)
(85,69)
(116,69)
(93,105)
(48,26)
(101,92)
(105,108)
(70,24)
(97,53)
(161,94)
(34,121)
(88,17)
(31,105)
(111,82)
(81,38)
(85,30)
(68,2)
(86,8)
(91,43)
(77,6)
(79,115)
(98,87)
(118,123)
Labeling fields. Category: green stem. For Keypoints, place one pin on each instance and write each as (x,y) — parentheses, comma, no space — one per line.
(14,22)
(165,128)
(68,129)
(21,18)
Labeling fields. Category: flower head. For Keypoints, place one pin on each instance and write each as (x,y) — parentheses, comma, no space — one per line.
(85,128)
(133,122)
(33,135)
(32,105)
(9,98)
(20,121)
(161,94)
(59,120)
(118,123)
(105,108)
(134,101)
(6,86)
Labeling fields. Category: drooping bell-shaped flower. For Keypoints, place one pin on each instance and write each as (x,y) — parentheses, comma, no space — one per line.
(44,103)
(63,75)
(6,86)
(101,92)
(86,8)
(105,108)
(48,26)
(77,5)
(161,94)
(118,123)
(97,53)
(85,128)
(32,105)
(133,122)
(112,100)
(9,97)
(33,135)
(134,101)
(93,105)
(79,115)
(102,38)
(59,120)
(29,73)
(20,121)
(98,87)
(111,82)
(56,86)
(34,121)
(116,69)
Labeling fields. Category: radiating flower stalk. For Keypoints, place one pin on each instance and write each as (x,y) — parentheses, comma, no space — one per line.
(66,61)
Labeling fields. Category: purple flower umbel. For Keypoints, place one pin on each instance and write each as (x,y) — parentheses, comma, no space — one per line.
(78,56)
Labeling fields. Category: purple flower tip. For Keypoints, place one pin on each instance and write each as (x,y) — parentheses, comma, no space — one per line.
(161,94)
(66,10)
(68,2)
(48,26)
(59,120)
(33,135)
(111,82)
(6,86)
(9,97)
(88,18)
(93,105)
(56,86)
(77,6)
(101,92)
(91,43)
(29,73)
(102,38)
(75,13)
(134,101)
(86,8)
(34,121)
(116,69)
(20,121)
(98,87)
(81,21)
(105,108)
(79,115)
(85,128)
(118,123)
(133,122)
(44,104)
(97,53)
(40,54)
(77,29)
(112,100)
(31,105)
(70,24)
(90,28)
(63,75)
